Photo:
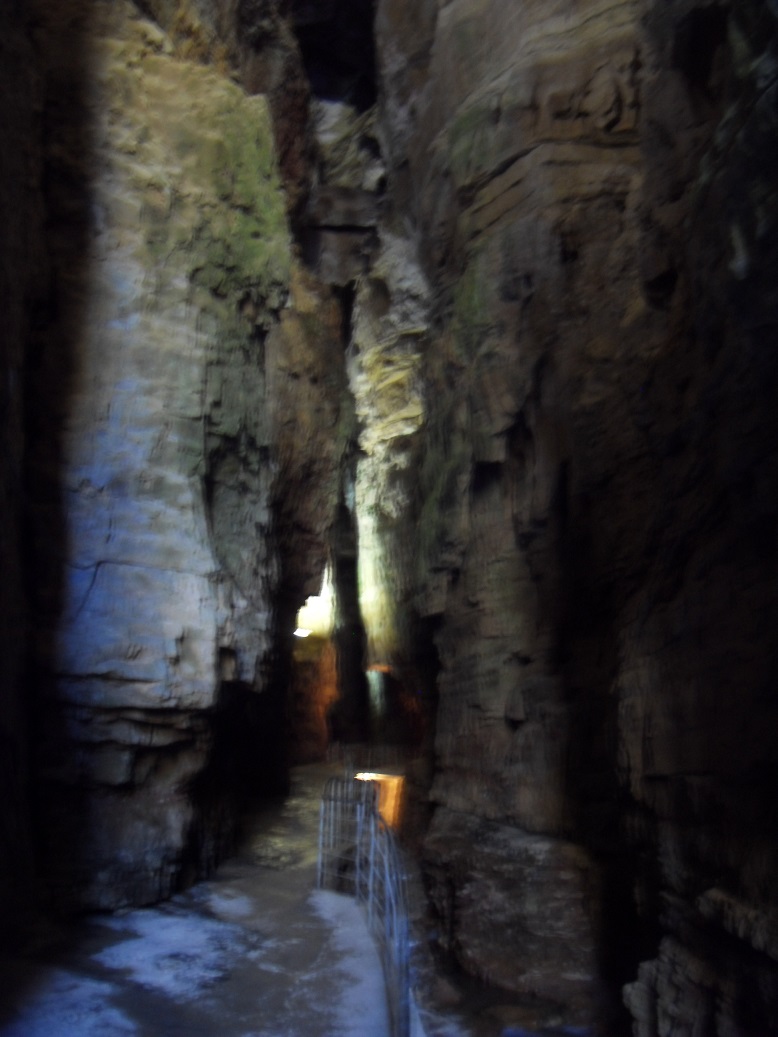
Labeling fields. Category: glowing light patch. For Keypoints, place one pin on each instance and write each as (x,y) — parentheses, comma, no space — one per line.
(390,794)
(317,614)
(302,632)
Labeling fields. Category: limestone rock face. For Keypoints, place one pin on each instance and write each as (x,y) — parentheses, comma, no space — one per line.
(539,888)
(389,328)
(595,528)
(152,450)
(253,41)
(541,275)
(313,691)
(694,709)
(343,210)
(524,174)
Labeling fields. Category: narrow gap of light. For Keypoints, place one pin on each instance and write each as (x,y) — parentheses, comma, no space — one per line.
(316,615)
(302,632)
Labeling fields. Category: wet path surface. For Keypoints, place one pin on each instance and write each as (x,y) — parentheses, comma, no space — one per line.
(255,952)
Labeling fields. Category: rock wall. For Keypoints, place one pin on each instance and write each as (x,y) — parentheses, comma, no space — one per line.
(550,254)
(165,379)
(588,191)
(698,661)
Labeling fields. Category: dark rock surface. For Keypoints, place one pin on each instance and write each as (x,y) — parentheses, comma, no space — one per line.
(522,348)
(21,276)
(595,538)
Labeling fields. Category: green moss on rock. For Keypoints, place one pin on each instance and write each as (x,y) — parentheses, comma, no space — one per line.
(203,159)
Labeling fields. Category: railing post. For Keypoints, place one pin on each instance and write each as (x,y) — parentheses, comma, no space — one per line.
(371,885)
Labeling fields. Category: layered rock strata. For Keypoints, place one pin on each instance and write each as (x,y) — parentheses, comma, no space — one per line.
(164,376)
(550,253)
(389,329)
(595,533)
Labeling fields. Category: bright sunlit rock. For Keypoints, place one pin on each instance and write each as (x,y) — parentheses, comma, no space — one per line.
(317,614)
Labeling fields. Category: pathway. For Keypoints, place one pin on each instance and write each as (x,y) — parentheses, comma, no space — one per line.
(254,952)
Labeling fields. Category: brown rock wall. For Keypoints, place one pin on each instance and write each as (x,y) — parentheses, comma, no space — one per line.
(165,482)
(698,658)
(596,533)
(313,691)
(561,358)
(541,890)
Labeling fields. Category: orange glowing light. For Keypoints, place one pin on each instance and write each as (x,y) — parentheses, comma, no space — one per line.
(390,795)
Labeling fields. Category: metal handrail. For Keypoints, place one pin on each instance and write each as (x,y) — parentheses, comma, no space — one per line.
(359,855)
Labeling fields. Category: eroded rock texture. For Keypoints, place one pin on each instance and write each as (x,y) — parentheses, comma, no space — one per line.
(595,533)
(523,387)
(254,43)
(165,377)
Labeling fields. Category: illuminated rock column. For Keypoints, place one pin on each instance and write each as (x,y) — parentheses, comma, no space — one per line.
(151,479)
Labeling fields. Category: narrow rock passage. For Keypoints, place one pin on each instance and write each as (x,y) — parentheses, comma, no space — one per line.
(254,952)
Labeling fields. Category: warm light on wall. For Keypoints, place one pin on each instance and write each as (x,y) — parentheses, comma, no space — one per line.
(376,591)
(390,795)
